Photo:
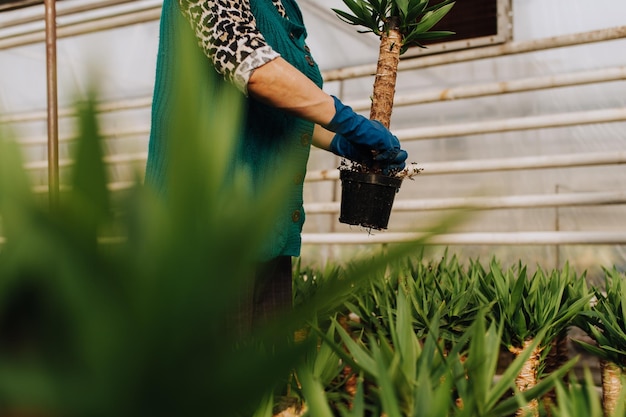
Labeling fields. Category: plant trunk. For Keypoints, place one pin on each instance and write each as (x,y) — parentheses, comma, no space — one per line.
(527,378)
(611,386)
(555,359)
(386,72)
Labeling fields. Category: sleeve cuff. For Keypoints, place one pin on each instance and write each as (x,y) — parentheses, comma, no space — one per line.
(257,58)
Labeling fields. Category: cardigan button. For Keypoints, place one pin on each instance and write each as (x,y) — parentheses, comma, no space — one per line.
(295,216)
(305,139)
(292,36)
(307,49)
(310,60)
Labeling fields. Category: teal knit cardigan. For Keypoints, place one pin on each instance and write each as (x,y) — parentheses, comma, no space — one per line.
(271,140)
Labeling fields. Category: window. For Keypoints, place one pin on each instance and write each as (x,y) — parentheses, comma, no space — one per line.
(476,23)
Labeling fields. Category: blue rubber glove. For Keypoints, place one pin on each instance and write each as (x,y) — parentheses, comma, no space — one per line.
(343,147)
(364,141)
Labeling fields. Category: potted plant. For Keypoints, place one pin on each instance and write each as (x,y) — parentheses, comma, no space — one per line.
(367,192)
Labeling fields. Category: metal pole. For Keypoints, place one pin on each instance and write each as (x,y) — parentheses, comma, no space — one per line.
(557,228)
(53,117)
(499,164)
(513,124)
(65,12)
(509,48)
(84,26)
(501,87)
(490,203)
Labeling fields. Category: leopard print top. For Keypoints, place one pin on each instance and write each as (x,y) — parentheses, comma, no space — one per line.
(227,33)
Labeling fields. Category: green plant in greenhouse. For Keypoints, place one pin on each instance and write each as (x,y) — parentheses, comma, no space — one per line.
(446,289)
(395,369)
(399,24)
(443,289)
(406,376)
(433,290)
(605,323)
(526,307)
(385,322)
(367,310)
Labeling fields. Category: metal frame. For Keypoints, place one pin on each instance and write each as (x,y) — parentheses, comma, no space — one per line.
(491,203)
(52,95)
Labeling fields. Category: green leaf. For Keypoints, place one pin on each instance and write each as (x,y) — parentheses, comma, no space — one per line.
(578,399)
(385,385)
(509,405)
(479,372)
(326,364)
(424,36)
(432,397)
(414,38)
(620,353)
(266,406)
(403,6)
(348,18)
(438,5)
(363,14)
(507,378)
(593,349)
(356,6)
(431,18)
(89,185)
(315,395)
(17,203)
(383,7)
(406,337)
(358,357)
(416,8)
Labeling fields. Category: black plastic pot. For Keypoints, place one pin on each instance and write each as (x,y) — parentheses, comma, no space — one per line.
(367,198)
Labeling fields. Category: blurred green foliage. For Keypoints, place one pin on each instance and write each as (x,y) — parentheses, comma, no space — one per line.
(126,307)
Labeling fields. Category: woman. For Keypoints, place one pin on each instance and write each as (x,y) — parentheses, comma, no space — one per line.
(259,46)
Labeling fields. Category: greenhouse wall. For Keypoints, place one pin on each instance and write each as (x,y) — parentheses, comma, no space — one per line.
(530,131)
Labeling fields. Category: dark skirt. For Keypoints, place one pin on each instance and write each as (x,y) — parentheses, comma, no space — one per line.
(271,294)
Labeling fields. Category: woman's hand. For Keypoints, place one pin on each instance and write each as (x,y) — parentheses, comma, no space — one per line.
(357,138)
(364,141)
